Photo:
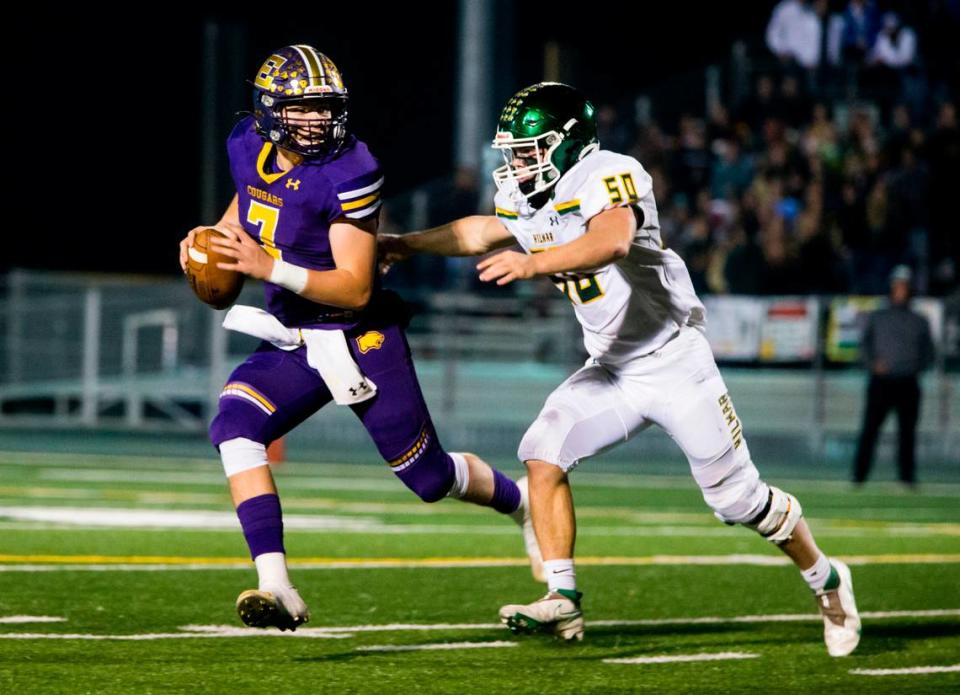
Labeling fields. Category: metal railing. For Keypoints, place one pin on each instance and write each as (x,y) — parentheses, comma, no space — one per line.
(143,354)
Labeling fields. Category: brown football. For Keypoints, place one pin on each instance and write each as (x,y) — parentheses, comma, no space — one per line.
(217,287)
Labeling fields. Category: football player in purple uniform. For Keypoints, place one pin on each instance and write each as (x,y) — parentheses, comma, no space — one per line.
(304,221)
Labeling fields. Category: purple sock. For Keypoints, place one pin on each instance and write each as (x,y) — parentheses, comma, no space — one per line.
(262,522)
(506,494)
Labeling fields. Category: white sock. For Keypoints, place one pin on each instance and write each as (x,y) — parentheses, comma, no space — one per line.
(816,576)
(272,570)
(560,574)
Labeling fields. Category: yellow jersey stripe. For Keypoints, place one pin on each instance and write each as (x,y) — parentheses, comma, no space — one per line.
(362,202)
(253,393)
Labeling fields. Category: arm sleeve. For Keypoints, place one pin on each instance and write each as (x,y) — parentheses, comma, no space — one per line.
(617,184)
(357,198)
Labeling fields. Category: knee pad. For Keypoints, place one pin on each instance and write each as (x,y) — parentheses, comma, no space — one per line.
(426,469)
(778,518)
(543,439)
(564,438)
(239,455)
(738,496)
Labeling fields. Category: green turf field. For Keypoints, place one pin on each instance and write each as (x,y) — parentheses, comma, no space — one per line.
(118,575)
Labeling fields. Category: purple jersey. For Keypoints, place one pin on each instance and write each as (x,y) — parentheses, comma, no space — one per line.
(290,213)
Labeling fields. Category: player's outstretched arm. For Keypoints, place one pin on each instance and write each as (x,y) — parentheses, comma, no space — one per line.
(607,239)
(467,236)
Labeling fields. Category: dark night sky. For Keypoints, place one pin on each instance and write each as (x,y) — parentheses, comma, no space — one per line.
(105,124)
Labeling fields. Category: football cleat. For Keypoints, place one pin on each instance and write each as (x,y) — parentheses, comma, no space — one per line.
(279,607)
(841,621)
(522,517)
(558,613)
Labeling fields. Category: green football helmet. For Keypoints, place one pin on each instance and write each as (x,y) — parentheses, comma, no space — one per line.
(543,131)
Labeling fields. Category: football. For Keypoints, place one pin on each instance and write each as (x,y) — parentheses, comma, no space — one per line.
(214,286)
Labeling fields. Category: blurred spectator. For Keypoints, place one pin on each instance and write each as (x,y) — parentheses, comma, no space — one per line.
(792,190)
(744,265)
(896,45)
(794,102)
(943,154)
(819,265)
(612,130)
(908,215)
(691,162)
(896,346)
(893,66)
(760,105)
(939,26)
(861,24)
(732,171)
(794,34)
(652,147)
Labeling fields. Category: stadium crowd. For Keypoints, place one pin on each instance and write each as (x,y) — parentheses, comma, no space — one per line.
(840,163)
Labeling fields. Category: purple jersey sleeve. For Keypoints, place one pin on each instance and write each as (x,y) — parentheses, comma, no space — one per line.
(356,187)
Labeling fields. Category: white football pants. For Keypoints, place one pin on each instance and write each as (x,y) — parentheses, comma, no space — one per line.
(678,388)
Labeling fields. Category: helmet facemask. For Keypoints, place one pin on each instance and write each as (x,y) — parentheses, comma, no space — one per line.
(296,126)
(529,166)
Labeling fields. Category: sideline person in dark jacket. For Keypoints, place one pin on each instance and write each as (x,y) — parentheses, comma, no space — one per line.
(896,347)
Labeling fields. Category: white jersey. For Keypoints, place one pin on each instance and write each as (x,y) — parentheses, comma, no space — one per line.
(631,307)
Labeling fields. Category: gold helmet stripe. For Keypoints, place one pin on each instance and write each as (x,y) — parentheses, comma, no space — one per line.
(317,75)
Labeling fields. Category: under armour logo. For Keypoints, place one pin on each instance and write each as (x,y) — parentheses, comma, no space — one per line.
(294,184)
(554,221)
(362,387)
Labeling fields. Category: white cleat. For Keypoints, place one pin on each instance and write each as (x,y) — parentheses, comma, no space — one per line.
(557,613)
(279,607)
(841,621)
(522,517)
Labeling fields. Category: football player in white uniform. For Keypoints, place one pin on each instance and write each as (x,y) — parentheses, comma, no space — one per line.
(587,218)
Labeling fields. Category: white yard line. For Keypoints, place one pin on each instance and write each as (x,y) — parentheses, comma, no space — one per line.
(218,520)
(652,622)
(149,636)
(28,619)
(913,671)
(121,517)
(343,632)
(384,484)
(677,658)
(151,563)
(432,647)
(122,464)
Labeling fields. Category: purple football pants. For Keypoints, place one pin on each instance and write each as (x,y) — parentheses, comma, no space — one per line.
(274,390)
